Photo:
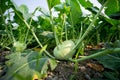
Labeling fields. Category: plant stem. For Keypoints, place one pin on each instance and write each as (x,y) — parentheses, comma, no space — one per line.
(33,33)
(55,35)
(64,25)
(72,25)
(98,54)
(53,26)
(90,26)
(37,39)
(27,32)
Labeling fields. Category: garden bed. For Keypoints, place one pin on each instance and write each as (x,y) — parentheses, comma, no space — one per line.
(71,45)
(66,70)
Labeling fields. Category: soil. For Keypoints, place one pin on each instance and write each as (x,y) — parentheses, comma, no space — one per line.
(86,70)
(66,71)
(2,62)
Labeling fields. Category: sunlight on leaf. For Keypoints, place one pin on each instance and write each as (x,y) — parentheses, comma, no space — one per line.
(35,77)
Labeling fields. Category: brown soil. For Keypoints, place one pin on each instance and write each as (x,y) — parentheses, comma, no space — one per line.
(85,70)
(2,62)
(66,71)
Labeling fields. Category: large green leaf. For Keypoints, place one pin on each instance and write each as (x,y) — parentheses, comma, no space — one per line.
(22,9)
(25,65)
(111,61)
(86,3)
(52,3)
(112,75)
(76,12)
(112,6)
(112,21)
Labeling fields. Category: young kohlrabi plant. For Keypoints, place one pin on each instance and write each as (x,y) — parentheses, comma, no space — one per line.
(62,50)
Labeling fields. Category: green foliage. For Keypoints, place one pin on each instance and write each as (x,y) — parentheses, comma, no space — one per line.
(69,25)
(63,8)
(111,61)
(21,11)
(52,3)
(27,63)
(5,38)
(112,7)
(111,75)
(106,24)
(4,6)
(24,10)
(85,4)
(76,12)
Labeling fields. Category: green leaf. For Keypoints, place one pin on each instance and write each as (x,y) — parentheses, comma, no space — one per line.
(85,3)
(102,1)
(43,67)
(115,15)
(22,9)
(47,34)
(2,32)
(112,7)
(111,21)
(59,7)
(76,12)
(111,75)
(116,44)
(24,65)
(111,61)
(63,8)
(52,3)
(52,64)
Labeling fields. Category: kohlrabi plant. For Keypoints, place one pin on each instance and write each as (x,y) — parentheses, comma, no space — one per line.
(65,50)
(19,47)
(25,64)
